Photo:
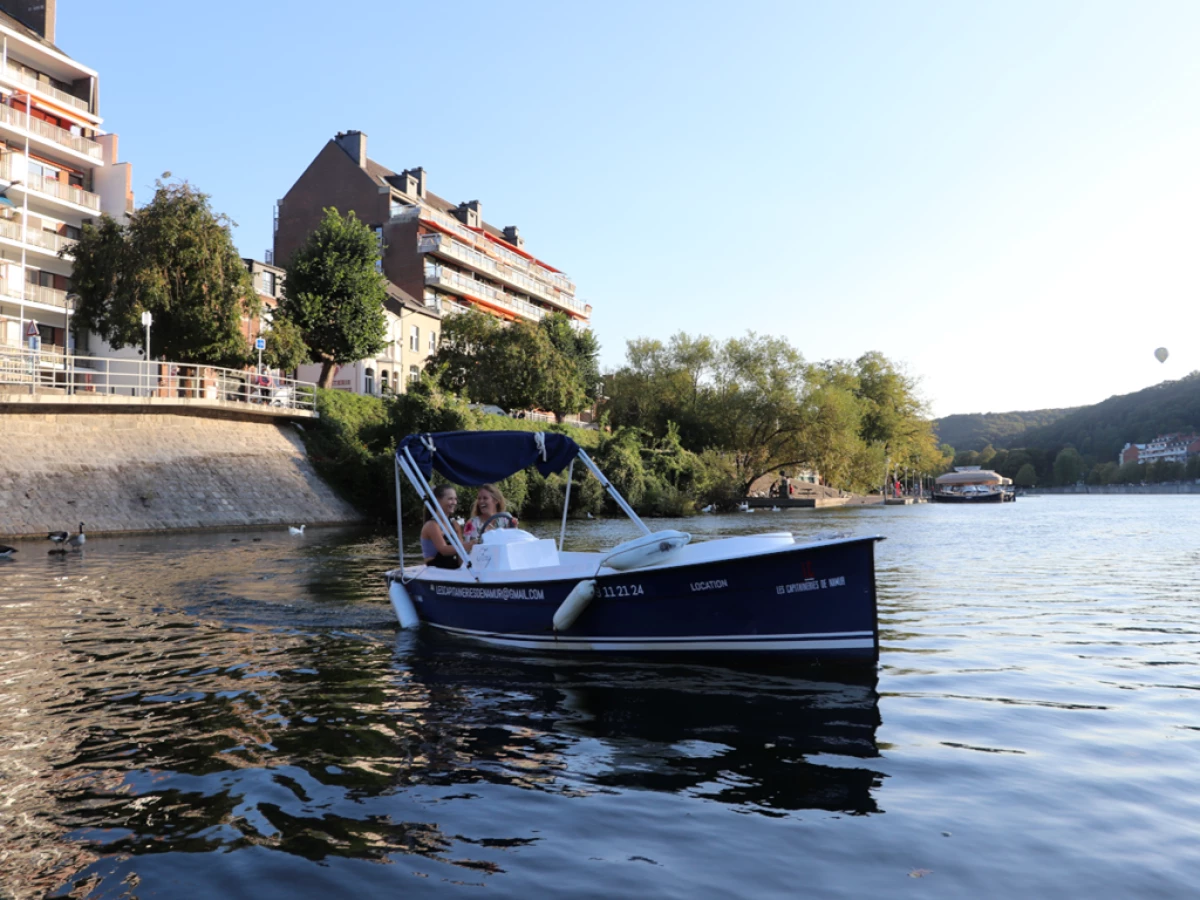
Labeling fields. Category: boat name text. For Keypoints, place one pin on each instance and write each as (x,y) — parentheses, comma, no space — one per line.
(813,584)
(715,585)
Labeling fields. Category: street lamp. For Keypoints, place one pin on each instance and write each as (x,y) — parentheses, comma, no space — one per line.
(147,319)
(72,308)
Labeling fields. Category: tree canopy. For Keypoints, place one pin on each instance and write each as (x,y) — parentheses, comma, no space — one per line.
(755,400)
(519,365)
(334,293)
(176,260)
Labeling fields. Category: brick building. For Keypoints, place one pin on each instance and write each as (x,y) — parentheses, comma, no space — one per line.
(438,256)
(1164,448)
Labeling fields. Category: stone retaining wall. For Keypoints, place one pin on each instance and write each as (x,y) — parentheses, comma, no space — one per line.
(1176,488)
(149,472)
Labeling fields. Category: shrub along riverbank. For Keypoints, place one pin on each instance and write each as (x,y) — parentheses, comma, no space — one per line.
(353,442)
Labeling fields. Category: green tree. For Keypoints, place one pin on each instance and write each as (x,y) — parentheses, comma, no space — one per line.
(176,260)
(581,347)
(334,293)
(286,349)
(1026,477)
(520,365)
(1068,466)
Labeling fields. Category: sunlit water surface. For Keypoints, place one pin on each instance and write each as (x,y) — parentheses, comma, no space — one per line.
(236,715)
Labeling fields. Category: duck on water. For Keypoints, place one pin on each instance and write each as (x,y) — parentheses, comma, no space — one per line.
(763,596)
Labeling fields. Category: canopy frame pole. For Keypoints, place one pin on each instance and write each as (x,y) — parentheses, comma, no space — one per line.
(399,514)
(612,491)
(414,475)
(562,535)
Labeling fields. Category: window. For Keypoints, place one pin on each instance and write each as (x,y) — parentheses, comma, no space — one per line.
(268,283)
(414,374)
(433,342)
(369,387)
(414,339)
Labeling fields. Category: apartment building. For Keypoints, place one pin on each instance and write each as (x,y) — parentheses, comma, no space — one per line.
(1164,448)
(58,170)
(268,288)
(441,256)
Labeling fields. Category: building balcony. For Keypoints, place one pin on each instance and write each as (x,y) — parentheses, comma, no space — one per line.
(14,75)
(34,293)
(465,286)
(444,245)
(46,187)
(472,238)
(45,241)
(38,129)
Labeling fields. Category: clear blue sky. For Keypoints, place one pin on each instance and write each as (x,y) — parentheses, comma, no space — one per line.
(1006,199)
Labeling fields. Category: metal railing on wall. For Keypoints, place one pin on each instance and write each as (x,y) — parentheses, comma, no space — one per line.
(35,371)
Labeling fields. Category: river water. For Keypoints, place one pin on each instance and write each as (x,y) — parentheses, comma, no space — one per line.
(236,715)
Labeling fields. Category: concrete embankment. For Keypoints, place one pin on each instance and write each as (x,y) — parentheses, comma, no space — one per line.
(143,471)
(1117,489)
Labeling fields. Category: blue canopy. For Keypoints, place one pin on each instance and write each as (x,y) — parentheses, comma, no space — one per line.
(472,458)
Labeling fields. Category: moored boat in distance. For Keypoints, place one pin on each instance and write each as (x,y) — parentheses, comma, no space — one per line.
(973,484)
(749,596)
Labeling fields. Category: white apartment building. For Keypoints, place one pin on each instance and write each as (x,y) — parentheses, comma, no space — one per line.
(58,169)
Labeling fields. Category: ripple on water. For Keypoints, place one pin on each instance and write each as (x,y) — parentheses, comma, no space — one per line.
(211,715)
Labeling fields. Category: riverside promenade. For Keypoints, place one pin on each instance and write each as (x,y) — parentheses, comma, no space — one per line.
(123,447)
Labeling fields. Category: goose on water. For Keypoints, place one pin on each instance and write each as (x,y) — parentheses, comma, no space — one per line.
(6,552)
(292,529)
(58,536)
(77,540)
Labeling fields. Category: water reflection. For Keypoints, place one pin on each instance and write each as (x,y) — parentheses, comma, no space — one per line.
(252,696)
(735,737)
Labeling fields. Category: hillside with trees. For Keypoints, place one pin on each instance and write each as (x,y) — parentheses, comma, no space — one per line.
(1103,429)
(1083,444)
(974,431)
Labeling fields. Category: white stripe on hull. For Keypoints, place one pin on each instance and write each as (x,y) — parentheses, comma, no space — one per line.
(857,640)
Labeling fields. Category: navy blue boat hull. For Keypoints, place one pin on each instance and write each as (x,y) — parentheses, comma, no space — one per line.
(815,602)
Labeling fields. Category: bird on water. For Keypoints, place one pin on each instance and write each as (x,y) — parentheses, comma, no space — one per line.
(292,529)
(58,536)
(78,540)
(6,552)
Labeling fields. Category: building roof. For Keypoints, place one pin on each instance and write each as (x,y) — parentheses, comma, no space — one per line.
(399,300)
(386,176)
(24,30)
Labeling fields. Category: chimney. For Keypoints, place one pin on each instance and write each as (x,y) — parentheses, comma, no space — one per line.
(355,145)
(470,214)
(37,14)
(414,182)
(513,235)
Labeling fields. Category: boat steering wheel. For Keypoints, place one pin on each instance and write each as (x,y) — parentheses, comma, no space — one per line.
(507,518)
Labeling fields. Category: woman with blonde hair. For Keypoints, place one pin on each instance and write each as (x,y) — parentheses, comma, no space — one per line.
(488,502)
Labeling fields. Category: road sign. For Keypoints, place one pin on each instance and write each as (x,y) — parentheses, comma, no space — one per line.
(260,344)
(147,318)
(35,343)
(31,330)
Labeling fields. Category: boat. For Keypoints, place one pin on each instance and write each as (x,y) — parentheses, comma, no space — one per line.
(660,594)
(973,484)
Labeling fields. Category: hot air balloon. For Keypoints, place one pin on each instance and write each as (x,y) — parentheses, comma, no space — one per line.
(1161,354)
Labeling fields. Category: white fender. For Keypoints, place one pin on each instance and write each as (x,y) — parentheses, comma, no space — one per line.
(577,601)
(403,605)
(647,550)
